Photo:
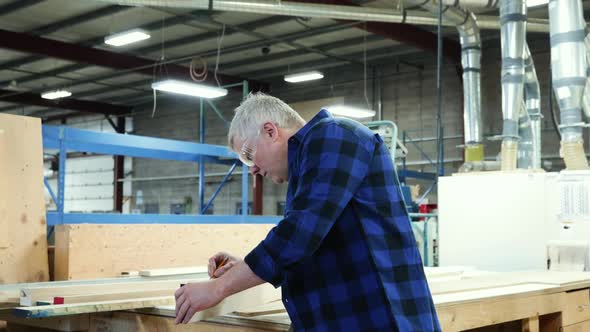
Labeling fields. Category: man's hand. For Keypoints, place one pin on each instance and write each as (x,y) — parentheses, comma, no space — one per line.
(194,297)
(214,262)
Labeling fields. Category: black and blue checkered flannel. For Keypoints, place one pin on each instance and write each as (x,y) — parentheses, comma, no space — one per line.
(344,254)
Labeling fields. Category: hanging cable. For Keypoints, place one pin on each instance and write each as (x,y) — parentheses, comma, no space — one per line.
(439,54)
(219,41)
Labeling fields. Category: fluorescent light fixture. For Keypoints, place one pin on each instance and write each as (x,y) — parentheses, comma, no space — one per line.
(536,3)
(302,77)
(56,94)
(351,112)
(126,37)
(188,88)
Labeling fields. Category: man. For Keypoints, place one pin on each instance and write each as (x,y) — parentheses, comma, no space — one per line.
(344,254)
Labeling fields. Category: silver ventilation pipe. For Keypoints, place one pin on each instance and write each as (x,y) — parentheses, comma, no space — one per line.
(472,3)
(586,101)
(471,62)
(513,21)
(290,8)
(568,62)
(529,147)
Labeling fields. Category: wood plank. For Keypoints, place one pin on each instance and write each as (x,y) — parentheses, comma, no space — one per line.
(530,324)
(506,292)
(173,271)
(460,317)
(80,308)
(23,243)
(577,307)
(251,297)
(65,323)
(271,308)
(127,321)
(162,246)
(30,296)
(580,327)
(113,296)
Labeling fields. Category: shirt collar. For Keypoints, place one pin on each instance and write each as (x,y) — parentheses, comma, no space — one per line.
(322,114)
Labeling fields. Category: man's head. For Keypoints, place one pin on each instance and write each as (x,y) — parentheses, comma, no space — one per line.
(259,133)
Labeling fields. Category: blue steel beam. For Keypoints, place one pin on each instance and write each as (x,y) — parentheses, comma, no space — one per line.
(116,218)
(133,145)
(223,182)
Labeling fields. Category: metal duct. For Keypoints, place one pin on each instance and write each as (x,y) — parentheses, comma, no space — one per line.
(287,8)
(529,147)
(472,3)
(471,62)
(568,61)
(513,22)
(586,100)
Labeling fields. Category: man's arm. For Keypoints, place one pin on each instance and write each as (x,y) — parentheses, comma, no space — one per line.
(195,297)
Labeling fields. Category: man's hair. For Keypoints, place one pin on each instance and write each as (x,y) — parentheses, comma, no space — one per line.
(255,110)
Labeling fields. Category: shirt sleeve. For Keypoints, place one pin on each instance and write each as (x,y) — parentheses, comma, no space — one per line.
(333,161)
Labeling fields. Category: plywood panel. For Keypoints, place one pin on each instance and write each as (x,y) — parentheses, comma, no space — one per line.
(483,313)
(95,251)
(577,307)
(124,321)
(23,243)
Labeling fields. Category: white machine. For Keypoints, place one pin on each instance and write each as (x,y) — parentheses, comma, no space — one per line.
(519,220)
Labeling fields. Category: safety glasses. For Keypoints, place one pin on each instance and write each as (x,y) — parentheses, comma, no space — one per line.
(248,150)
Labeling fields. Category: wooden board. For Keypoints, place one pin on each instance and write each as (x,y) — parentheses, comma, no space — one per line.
(251,297)
(98,251)
(23,243)
(580,327)
(65,323)
(80,308)
(30,296)
(504,292)
(461,317)
(271,308)
(113,296)
(173,271)
(127,321)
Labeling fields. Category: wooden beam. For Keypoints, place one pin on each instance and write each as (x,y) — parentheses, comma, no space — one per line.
(30,296)
(530,324)
(275,307)
(113,296)
(66,324)
(80,308)
(461,317)
(240,301)
(173,271)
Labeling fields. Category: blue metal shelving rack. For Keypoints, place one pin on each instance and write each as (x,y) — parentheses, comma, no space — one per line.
(67,139)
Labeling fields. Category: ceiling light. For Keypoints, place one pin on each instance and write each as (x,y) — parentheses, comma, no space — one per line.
(349,111)
(302,77)
(56,94)
(126,37)
(536,3)
(188,88)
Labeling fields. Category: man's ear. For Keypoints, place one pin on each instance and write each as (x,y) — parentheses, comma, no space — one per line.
(270,130)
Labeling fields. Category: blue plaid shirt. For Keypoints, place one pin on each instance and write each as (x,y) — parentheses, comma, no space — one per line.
(345,254)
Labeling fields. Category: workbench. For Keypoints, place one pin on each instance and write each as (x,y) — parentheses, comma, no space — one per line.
(514,301)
